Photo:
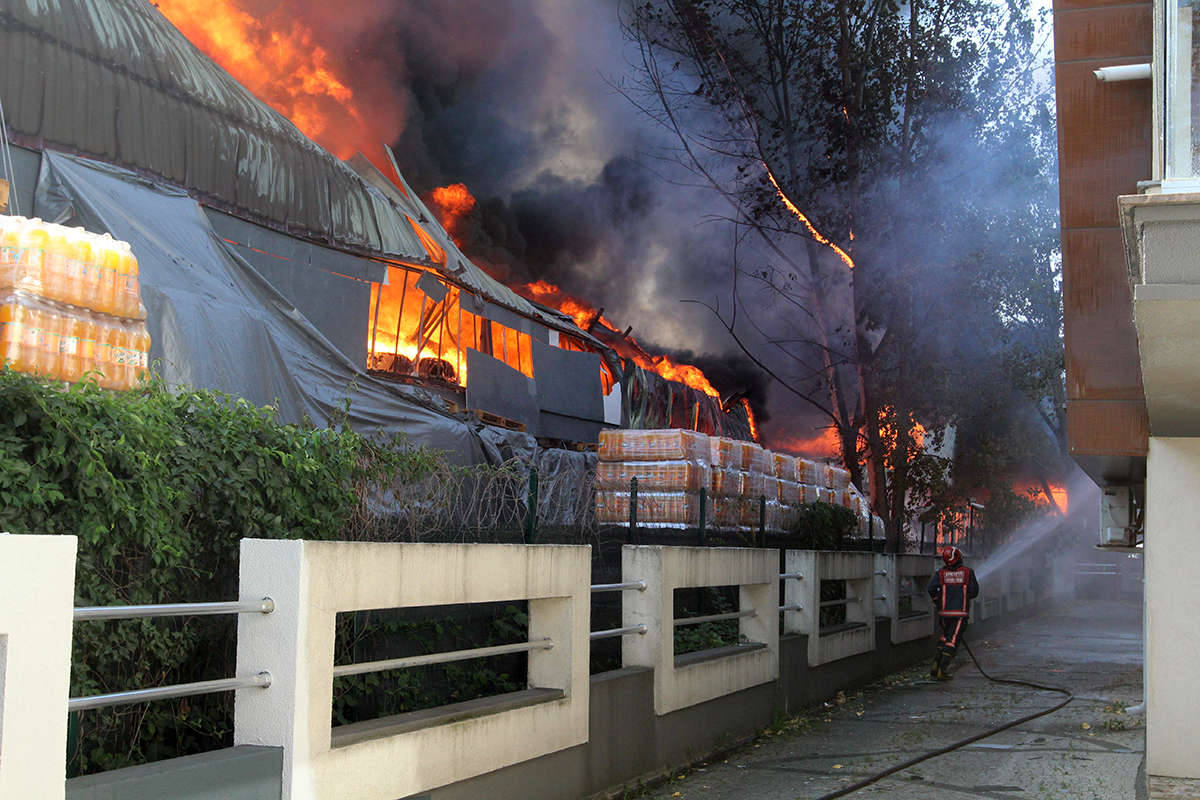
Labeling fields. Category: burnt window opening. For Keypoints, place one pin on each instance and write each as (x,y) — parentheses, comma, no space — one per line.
(419,329)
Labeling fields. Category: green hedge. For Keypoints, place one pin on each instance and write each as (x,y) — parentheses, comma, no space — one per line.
(159,486)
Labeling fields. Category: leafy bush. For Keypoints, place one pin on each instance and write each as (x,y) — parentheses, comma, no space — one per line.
(160,487)
(823,526)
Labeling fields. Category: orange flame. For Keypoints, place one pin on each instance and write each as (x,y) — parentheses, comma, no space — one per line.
(454,204)
(849,262)
(824,443)
(585,317)
(750,417)
(281,60)
(550,295)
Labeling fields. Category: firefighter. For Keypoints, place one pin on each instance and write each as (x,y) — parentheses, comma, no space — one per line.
(952,588)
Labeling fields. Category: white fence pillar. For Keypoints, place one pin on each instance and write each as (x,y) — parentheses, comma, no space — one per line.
(857,570)
(312,581)
(37,599)
(665,569)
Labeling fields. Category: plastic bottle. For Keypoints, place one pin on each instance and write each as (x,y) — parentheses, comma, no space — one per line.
(94,278)
(70,368)
(49,323)
(118,345)
(79,254)
(121,280)
(57,275)
(141,351)
(8,250)
(133,297)
(87,344)
(32,240)
(108,259)
(13,319)
(103,354)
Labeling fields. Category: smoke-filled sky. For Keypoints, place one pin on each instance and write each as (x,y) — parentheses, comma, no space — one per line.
(516,99)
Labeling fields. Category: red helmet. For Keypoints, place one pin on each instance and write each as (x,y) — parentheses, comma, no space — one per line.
(952,556)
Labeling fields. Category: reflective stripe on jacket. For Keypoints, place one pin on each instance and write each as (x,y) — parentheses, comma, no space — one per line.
(953,590)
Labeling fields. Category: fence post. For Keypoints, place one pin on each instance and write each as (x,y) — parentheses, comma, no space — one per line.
(37,593)
(632,508)
(703,509)
(531,512)
(871,528)
(922,550)
(762,520)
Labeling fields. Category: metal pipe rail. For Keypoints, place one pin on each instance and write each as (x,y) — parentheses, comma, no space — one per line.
(846,601)
(715,617)
(440,658)
(793,607)
(261,680)
(799,576)
(87,613)
(639,629)
(635,586)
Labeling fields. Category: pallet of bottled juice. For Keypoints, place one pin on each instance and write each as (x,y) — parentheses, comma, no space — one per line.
(744,482)
(70,304)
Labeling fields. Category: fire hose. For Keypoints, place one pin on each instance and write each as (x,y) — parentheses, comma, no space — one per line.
(950,748)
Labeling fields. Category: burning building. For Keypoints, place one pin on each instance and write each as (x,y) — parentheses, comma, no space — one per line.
(274,270)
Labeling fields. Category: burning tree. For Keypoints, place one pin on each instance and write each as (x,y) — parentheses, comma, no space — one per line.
(883,157)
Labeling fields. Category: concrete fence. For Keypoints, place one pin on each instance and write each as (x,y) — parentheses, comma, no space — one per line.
(567,735)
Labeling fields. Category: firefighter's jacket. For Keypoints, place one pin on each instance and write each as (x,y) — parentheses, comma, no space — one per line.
(952,590)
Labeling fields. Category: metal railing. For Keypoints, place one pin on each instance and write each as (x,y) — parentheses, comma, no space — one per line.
(93,613)
(90,613)
(261,680)
(635,586)
(440,658)
(639,629)
(715,617)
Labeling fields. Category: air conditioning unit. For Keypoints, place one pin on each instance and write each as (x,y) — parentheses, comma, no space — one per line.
(1116,517)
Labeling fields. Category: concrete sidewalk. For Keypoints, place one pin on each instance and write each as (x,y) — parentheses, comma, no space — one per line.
(1087,750)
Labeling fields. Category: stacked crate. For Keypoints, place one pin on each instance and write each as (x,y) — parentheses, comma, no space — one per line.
(671,466)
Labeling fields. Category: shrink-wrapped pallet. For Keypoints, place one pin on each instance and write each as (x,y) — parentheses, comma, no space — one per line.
(811,494)
(754,458)
(654,509)
(791,518)
(784,467)
(753,484)
(724,452)
(654,476)
(753,514)
(655,445)
(64,343)
(726,482)
(771,488)
(825,495)
(790,493)
(839,478)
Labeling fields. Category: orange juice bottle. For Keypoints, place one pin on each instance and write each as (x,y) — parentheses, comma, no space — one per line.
(9,250)
(107,258)
(69,366)
(87,344)
(49,335)
(121,279)
(94,273)
(79,253)
(57,277)
(32,240)
(132,288)
(118,345)
(13,319)
(103,353)
(141,351)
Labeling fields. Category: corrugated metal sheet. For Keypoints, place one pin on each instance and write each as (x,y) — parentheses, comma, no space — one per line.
(115,80)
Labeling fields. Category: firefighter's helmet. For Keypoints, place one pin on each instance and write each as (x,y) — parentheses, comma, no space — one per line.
(952,556)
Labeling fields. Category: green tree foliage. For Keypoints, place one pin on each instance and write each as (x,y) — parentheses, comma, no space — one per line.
(159,488)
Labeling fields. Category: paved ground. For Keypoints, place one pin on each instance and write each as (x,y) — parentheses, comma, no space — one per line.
(1088,750)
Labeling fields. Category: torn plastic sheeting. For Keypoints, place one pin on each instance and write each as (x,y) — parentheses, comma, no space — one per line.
(217,324)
